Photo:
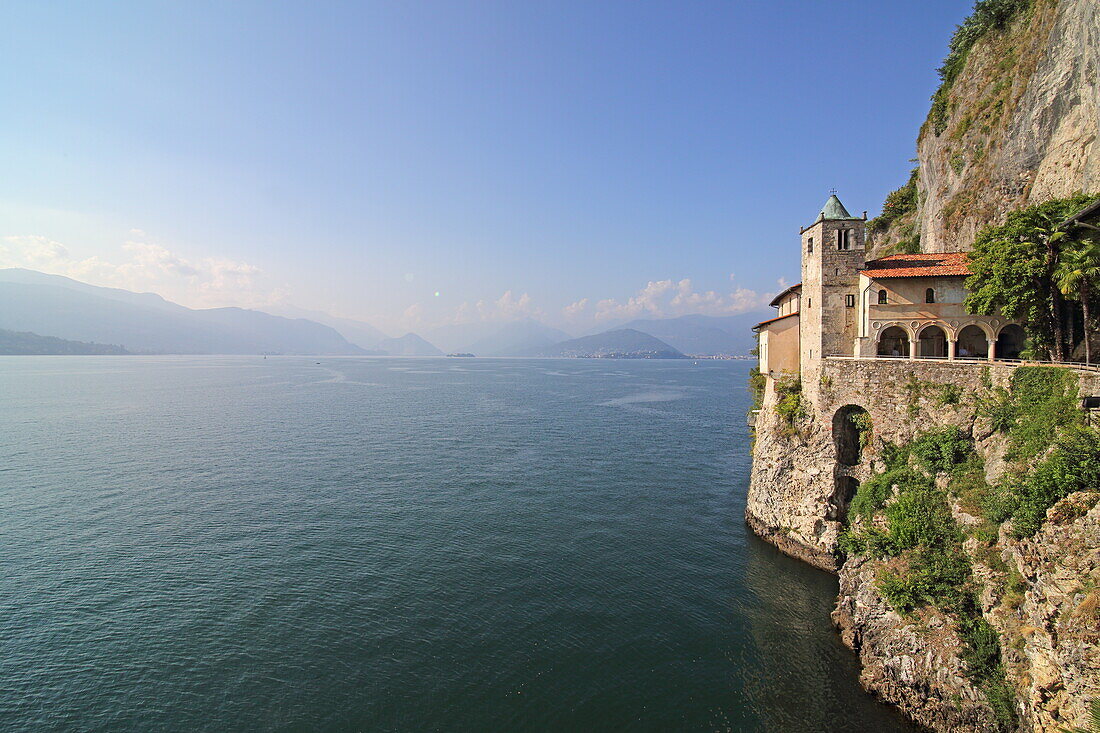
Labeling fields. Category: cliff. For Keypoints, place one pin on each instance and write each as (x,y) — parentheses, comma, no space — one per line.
(1015,122)
(999,629)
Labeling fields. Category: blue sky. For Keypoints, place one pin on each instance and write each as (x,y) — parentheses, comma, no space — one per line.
(515,158)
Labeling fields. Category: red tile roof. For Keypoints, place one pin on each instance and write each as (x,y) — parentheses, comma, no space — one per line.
(794,288)
(773,320)
(924,264)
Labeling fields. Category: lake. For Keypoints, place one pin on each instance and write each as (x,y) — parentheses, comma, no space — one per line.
(239,543)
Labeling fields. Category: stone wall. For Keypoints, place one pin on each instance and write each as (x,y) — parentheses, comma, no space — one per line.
(796,491)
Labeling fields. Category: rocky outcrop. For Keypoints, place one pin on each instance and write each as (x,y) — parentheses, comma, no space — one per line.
(1021,125)
(1054,649)
(914,664)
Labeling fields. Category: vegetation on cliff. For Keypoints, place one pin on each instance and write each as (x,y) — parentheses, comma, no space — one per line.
(904,518)
(988,15)
(1030,270)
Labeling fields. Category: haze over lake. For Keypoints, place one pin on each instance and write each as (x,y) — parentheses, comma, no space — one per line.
(398,544)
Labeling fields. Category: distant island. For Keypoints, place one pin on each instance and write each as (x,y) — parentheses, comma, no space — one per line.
(461,355)
(624,343)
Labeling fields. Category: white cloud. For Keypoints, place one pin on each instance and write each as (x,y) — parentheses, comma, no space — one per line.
(143,266)
(668,299)
(508,307)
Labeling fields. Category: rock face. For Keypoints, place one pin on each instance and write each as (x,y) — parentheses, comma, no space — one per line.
(802,481)
(912,664)
(1021,126)
(1056,630)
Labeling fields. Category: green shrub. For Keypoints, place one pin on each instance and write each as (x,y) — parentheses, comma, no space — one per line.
(1000,409)
(1073,465)
(950,394)
(897,204)
(1044,400)
(941,449)
(935,577)
(789,402)
(920,516)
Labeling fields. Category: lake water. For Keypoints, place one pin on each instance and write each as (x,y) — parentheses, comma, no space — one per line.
(398,544)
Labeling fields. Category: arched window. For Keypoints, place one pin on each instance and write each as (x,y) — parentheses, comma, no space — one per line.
(810,246)
(882,297)
(929,296)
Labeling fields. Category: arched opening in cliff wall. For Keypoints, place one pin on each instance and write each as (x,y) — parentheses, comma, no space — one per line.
(850,423)
(846,488)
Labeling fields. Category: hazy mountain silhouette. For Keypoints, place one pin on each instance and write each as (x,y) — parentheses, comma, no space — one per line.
(623,343)
(408,345)
(705,335)
(25,343)
(360,333)
(57,306)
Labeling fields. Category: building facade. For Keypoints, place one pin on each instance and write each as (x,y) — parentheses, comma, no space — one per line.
(904,306)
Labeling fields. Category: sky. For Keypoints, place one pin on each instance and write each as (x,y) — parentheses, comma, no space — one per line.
(413,164)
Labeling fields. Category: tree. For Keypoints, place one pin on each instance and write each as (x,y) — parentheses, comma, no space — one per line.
(1078,276)
(1013,270)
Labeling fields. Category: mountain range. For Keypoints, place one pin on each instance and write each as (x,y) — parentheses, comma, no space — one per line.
(39,304)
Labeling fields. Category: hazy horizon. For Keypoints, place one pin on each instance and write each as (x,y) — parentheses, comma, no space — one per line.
(412,167)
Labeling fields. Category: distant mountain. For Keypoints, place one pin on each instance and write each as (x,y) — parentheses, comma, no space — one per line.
(360,333)
(33,277)
(705,335)
(518,338)
(623,343)
(408,345)
(24,343)
(68,309)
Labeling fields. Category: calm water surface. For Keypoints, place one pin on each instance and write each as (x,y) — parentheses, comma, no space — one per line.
(398,544)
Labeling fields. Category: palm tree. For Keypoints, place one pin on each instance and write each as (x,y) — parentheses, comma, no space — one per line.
(1078,276)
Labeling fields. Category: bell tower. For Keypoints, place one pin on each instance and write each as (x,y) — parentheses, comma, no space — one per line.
(833,253)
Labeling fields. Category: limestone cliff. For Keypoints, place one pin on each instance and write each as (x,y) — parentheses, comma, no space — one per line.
(1016,122)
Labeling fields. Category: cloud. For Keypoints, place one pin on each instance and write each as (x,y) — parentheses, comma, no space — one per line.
(508,307)
(144,266)
(668,299)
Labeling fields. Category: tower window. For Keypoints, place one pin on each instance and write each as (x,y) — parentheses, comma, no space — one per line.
(850,301)
(843,239)
(836,270)
(882,297)
(810,246)
(809,302)
(929,296)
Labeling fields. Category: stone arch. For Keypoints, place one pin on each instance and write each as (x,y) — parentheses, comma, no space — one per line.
(847,434)
(932,342)
(1010,341)
(841,500)
(893,341)
(972,342)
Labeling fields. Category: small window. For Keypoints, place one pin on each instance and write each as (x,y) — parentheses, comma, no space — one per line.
(836,270)
(929,296)
(810,246)
(850,301)
(809,302)
(882,297)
